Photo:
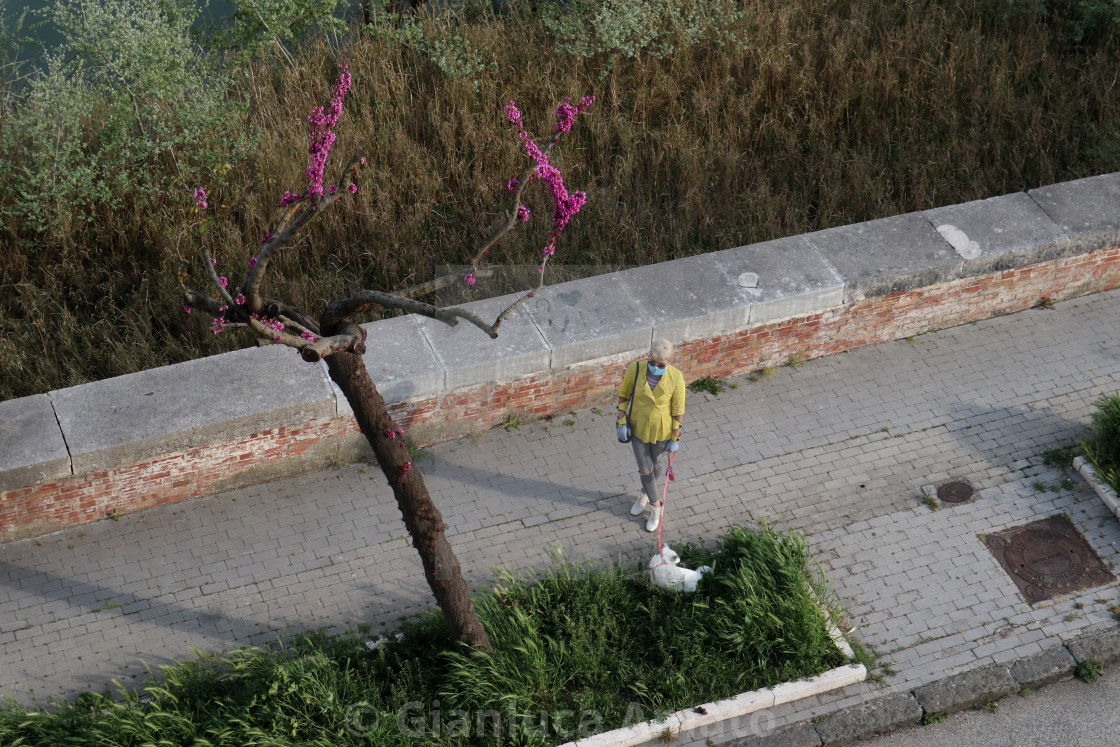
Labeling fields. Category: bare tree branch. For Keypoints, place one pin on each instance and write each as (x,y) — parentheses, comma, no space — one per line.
(294,219)
(202,302)
(435,284)
(341,311)
(217,281)
(511,219)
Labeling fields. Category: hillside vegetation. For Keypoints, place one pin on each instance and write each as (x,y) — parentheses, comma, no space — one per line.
(718,123)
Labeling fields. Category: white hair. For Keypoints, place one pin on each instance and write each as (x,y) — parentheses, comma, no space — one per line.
(662,349)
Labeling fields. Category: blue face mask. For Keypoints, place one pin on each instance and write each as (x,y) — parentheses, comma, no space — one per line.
(656,370)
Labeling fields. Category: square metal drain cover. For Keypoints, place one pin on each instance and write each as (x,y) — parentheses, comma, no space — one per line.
(1048,558)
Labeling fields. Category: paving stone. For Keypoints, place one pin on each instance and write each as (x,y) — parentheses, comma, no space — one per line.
(797,735)
(869,719)
(1045,668)
(1102,646)
(967,689)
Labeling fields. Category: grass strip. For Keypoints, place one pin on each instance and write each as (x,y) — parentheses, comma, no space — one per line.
(579,650)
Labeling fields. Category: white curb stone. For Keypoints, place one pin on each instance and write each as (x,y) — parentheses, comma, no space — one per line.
(1106,493)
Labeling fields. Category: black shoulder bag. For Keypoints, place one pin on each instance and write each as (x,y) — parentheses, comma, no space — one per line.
(625,431)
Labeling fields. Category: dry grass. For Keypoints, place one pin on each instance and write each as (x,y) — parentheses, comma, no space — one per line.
(832,113)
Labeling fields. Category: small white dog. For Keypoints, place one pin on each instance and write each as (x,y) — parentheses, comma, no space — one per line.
(664,572)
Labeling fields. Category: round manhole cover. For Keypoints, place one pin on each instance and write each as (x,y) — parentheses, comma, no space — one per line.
(1047,559)
(954,492)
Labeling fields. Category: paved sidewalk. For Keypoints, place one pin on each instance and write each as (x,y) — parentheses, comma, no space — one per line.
(837,448)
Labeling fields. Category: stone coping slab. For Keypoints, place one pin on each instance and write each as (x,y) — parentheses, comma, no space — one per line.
(401,361)
(469,356)
(143,415)
(584,320)
(32,449)
(887,255)
(1086,209)
(119,421)
(782,278)
(688,299)
(999,233)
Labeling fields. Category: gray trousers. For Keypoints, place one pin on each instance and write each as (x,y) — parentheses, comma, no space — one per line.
(648,457)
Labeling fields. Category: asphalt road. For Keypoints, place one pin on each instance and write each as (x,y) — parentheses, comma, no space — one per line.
(1069,714)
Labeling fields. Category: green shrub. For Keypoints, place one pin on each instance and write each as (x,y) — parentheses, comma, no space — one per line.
(257,24)
(1103,446)
(128,108)
(585,28)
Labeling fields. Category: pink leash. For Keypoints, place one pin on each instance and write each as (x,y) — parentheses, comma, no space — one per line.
(665,492)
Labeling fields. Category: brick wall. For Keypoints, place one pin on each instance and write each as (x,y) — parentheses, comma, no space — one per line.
(276,453)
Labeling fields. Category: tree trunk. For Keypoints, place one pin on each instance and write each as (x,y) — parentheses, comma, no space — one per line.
(421,517)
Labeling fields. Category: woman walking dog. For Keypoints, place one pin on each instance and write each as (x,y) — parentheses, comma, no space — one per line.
(650,411)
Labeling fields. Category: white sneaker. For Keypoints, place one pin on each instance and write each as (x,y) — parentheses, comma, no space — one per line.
(654,518)
(640,505)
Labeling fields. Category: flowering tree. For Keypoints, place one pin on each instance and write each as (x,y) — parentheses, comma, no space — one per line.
(335,337)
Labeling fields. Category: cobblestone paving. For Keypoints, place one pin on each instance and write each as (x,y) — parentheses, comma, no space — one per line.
(837,448)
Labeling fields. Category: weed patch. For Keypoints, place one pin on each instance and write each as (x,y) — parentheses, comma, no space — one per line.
(707,384)
(1088,670)
(1102,448)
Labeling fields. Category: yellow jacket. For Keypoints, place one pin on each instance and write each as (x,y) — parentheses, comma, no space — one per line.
(652,416)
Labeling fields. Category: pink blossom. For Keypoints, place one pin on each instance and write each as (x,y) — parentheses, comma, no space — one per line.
(362,161)
(307,335)
(470,279)
(276,340)
(240,299)
(223,281)
(252,262)
(566,114)
(289,199)
(513,184)
(214,261)
(513,114)
(186,308)
(332,189)
(353,188)
(322,136)
(200,198)
(523,213)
